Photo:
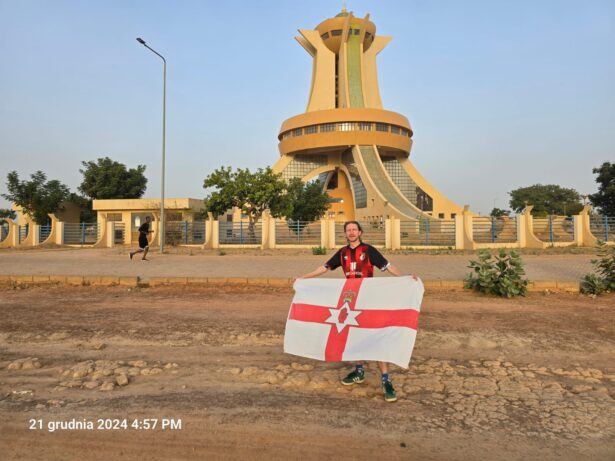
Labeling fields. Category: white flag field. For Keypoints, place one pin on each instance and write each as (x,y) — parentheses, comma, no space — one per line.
(339,320)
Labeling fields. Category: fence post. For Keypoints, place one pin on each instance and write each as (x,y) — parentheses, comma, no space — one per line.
(492,229)
(606,228)
(82,225)
(551,228)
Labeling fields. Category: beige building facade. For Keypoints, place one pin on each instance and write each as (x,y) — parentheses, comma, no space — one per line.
(346,139)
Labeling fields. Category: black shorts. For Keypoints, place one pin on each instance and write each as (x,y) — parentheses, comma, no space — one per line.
(143,243)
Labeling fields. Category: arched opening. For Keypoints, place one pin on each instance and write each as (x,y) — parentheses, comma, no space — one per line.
(337,185)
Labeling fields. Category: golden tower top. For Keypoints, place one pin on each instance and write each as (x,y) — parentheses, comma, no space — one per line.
(344,50)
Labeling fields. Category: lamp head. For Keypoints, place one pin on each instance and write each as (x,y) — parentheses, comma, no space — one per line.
(140,40)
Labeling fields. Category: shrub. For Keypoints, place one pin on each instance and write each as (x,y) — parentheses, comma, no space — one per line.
(501,276)
(319,251)
(603,278)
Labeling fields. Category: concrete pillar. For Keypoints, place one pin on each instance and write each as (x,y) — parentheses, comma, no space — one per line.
(588,239)
(215,234)
(468,228)
(531,241)
(577,222)
(331,226)
(392,234)
(396,233)
(11,239)
(59,232)
(212,231)
(324,233)
(265,218)
(110,234)
(127,220)
(459,232)
(521,232)
(36,236)
(272,243)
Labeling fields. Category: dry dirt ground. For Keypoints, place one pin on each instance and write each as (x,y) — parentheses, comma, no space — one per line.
(530,378)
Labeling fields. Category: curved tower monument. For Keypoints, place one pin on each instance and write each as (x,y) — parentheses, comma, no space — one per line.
(358,150)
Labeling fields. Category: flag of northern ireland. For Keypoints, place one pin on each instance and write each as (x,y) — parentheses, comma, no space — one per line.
(354,319)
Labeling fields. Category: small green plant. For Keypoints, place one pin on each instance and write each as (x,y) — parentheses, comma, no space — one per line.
(221,252)
(319,251)
(501,276)
(603,278)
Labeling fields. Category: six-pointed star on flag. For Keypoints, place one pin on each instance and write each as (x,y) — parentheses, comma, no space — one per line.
(343,316)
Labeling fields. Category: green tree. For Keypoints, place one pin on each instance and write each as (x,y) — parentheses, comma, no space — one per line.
(546,199)
(5,214)
(38,197)
(87,214)
(308,201)
(498,213)
(108,179)
(252,192)
(604,199)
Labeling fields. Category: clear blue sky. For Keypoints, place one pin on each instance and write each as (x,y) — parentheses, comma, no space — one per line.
(500,94)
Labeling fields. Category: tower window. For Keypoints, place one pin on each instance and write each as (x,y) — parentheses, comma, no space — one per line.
(344,126)
(325,36)
(327,127)
(336,32)
(394,129)
(311,129)
(297,131)
(382,127)
(365,126)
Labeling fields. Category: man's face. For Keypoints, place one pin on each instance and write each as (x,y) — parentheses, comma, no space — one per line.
(148,219)
(352,232)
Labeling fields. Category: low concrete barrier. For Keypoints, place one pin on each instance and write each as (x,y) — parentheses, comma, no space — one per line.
(105,281)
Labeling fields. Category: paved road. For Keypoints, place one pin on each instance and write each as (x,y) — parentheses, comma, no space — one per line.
(258,264)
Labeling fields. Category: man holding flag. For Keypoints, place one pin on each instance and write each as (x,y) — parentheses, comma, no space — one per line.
(357,260)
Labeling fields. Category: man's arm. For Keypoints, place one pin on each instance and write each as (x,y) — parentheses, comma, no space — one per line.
(381,262)
(315,273)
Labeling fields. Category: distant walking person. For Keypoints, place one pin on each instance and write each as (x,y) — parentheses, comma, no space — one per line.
(143,243)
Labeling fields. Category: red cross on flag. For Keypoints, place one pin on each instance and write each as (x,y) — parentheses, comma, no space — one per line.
(354,319)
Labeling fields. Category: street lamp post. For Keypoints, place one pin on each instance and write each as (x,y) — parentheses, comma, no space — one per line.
(164,128)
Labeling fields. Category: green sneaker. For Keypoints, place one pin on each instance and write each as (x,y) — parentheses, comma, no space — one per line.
(354,377)
(388,391)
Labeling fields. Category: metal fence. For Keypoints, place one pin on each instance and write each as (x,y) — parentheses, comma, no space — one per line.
(23,232)
(373,233)
(602,227)
(184,232)
(242,233)
(427,232)
(119,232)
(297,232)
(4,231)
(494,230)
(81,233)
(554,229)
(43,232)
